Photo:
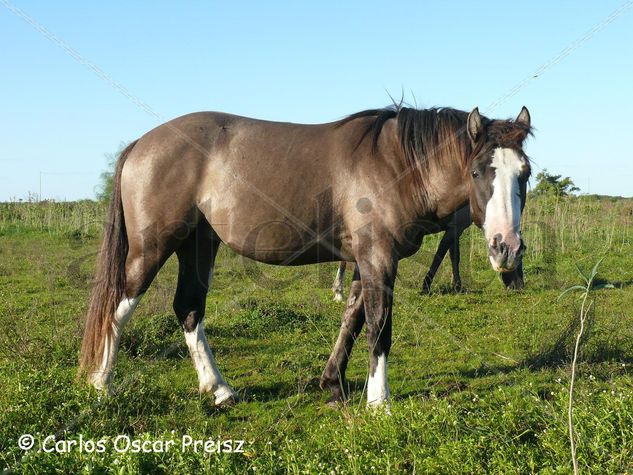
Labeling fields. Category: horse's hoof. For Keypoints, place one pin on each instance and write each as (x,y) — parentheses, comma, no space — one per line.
(334,403)
(379,407)
(226,397)
(515,286)
(337,399)
(337,396)
(228,402)
(101,384)
(338,297)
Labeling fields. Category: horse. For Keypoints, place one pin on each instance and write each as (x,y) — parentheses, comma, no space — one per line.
(356,189)
(453,227)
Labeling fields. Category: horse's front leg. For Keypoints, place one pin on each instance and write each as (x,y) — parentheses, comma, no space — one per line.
(378,272)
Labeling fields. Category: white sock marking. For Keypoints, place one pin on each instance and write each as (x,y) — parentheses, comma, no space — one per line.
(102,378)
(337,287)
(209,375)
(377,386)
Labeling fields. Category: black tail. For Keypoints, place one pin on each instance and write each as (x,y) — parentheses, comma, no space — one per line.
(109,285)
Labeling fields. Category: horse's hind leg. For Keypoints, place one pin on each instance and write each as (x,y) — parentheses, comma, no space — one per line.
(102,377)
(196,257)
(339,282)
(333,377)
(144,259)
(454,253)
(444,245)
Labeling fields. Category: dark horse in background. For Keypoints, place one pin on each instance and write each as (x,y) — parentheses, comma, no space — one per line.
(453,227)
(288,194)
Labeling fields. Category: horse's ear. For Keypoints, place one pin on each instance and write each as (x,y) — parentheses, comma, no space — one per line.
(524,117)
(474,125)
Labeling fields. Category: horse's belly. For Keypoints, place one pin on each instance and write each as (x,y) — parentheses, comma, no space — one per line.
(279,241)
(284,253)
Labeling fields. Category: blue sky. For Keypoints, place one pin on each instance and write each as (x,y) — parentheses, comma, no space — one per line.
(308,62)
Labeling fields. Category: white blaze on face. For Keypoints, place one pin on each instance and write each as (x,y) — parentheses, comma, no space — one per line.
(503,211)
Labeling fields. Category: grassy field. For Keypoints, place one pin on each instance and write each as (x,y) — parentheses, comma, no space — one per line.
(479,380)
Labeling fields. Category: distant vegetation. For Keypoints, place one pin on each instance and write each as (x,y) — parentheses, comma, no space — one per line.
(84,217)
(553,185)
(570,215)
(104,188)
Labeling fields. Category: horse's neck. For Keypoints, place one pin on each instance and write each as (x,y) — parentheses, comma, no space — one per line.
(445,180)
(449,187)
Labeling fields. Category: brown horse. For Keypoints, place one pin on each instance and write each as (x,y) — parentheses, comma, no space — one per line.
(453,227)
(289,194)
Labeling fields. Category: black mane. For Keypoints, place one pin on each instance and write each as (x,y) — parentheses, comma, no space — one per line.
(421,131)
(436,135)
(424,133)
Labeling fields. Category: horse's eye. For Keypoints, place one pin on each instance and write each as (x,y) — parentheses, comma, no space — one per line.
(475,174)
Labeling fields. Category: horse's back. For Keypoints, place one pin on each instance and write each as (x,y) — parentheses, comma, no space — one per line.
(260,184)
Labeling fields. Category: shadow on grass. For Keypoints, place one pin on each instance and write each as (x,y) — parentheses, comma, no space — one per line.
(279,390)
(618,284)
(555,354)
(447,289)
(560,351)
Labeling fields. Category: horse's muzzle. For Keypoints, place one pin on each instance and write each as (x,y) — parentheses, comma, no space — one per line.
(505,252)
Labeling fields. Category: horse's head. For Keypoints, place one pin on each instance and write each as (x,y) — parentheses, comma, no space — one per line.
(499,172)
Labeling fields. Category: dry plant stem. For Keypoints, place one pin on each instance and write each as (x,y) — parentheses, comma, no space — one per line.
(584,309)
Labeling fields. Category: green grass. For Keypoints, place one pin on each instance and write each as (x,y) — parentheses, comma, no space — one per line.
(479,380)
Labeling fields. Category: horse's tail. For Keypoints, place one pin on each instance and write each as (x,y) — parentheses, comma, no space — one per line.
(109,285)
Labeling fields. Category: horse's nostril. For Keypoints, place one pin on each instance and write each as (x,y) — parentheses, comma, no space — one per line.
(496,241)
